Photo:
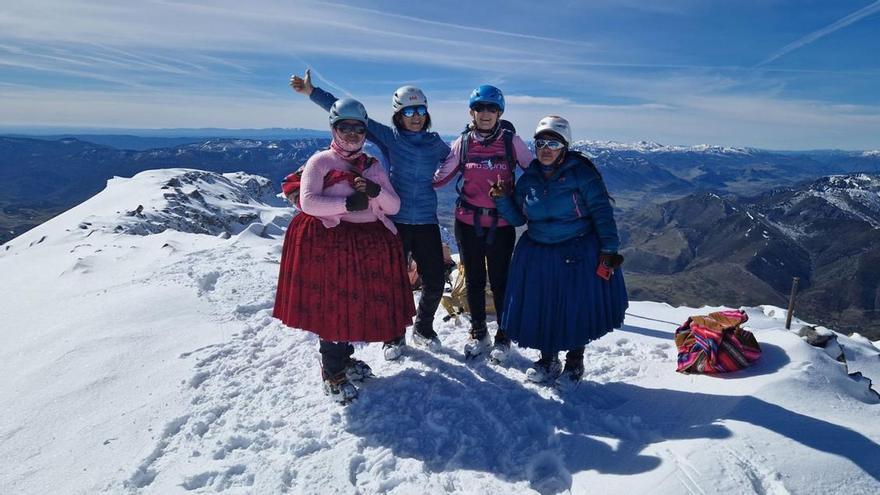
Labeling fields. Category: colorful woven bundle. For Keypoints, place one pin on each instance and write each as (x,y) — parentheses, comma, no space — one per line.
(715,343)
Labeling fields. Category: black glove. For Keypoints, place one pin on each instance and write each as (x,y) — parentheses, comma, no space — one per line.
(612,261)
(372,188)
(356,202)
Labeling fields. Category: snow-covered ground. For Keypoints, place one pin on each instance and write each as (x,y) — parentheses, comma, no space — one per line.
(151,364)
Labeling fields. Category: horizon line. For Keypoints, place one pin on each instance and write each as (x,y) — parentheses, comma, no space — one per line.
(43,131)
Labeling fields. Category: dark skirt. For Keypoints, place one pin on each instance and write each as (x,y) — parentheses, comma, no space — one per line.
(346,284)
(555,301)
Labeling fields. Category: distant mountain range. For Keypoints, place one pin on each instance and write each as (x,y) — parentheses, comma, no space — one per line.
(700,224)
(40,178)
(651,172)
(705,249)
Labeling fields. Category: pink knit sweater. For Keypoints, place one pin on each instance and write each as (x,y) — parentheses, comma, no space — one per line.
(328,205)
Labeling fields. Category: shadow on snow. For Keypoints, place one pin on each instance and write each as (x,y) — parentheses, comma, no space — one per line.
(454,417)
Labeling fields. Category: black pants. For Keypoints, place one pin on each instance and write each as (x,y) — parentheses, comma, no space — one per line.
(334,356)
(477,257)
(423,242)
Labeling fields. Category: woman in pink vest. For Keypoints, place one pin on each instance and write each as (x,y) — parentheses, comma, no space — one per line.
(343,274)
(487,152)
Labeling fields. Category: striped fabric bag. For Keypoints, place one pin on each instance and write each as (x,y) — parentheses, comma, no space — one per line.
(715,343)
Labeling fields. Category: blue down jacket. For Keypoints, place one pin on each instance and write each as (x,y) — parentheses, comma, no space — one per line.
(412,158)
(572,202)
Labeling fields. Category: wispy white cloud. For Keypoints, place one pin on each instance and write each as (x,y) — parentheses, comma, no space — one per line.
(686,108)
(815,35)
(461,27)
(743,120)
(536,100)
(82,74)
(150,108)
(145,41)
(158,63)
(717,119)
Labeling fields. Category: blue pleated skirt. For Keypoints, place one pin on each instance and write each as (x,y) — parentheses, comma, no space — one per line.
(555,301)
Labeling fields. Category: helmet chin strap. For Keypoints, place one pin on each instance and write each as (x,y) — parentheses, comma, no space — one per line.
(560,158)
(487,136)
(548,169)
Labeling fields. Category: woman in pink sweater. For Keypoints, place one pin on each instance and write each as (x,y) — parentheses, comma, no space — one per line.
(343,275)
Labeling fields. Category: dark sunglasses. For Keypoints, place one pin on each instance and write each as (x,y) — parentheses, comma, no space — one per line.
(358,129)
(408,112)
(549,143)
(486,107)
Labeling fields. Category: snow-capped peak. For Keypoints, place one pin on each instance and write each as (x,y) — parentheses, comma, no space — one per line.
(183,200)
(849,181)
(654,147)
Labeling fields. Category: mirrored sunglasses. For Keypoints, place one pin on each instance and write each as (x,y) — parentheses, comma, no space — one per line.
(408,112)
(486,107)
(358,129)
(549,143)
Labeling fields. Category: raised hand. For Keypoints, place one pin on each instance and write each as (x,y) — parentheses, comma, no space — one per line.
(497,189)
(302,84)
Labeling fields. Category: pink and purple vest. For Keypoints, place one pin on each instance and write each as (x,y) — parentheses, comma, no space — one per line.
(484,165)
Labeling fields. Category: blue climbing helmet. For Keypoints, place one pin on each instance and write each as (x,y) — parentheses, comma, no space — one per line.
(487,94)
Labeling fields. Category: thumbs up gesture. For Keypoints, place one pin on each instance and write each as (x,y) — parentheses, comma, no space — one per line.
(302,84)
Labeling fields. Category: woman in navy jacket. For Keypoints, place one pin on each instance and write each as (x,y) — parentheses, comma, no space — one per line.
(565,287)
(413,155)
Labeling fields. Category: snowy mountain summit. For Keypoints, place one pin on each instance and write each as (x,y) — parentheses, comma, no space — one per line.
(139,355)
(857,194)
(190,201)
(852,198)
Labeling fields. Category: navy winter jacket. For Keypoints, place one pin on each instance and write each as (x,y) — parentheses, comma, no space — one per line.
(572,202)
(412,158)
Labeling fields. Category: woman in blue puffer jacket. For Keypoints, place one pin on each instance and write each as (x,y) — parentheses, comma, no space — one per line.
(413,155)
(564,287)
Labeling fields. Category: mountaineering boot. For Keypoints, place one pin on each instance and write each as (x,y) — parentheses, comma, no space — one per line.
(571,375)
(357,370)
(393,349)
(545,369)
(501,348)
(479,342)
(427,339)
(574,367)
(339,389)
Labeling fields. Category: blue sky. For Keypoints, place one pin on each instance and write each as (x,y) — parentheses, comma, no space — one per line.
(773,74)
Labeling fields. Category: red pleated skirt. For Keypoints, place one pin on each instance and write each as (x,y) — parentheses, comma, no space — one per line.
(346,284)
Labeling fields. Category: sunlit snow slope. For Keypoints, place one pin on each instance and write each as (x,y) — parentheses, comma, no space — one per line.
(139,355)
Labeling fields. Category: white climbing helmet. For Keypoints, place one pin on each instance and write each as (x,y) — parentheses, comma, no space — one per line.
(557,125)
(407,96)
